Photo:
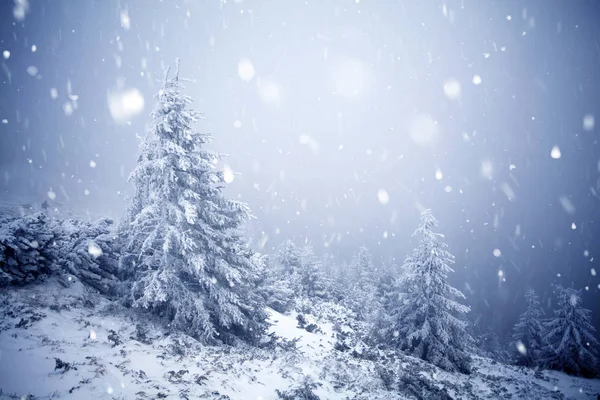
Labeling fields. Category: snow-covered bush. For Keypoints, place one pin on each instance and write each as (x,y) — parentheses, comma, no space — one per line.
(28,248)
(182,244)
(38,245)
(87,252)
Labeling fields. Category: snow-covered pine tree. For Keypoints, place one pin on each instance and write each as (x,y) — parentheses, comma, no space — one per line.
(363,299)
(571,344)
(288,258)
(313,282)
(275,288)
(191,265)
(529,332)
(427,321)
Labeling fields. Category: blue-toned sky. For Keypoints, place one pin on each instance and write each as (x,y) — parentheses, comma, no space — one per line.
(344,119)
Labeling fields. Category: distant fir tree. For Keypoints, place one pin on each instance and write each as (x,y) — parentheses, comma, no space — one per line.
(275,288)
(571,344)
(181,239)
(363,297)
(425,318)
(529,332)
(288,257)
(313,283)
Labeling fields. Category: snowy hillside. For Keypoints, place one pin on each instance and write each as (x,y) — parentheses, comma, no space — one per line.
(68,342)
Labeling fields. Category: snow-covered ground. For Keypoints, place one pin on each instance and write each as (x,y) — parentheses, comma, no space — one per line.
(113,353)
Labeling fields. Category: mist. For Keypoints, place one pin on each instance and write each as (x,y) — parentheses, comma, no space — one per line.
(341,122)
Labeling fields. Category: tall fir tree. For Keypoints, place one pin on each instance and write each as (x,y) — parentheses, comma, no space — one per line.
(571,344)
(426,319)
(529,332)
(182,243)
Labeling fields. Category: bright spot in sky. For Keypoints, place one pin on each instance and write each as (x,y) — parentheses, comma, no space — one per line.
(476,80)
(126,104)
(521,348)
(448,189)
(32,70)
(237,124)
(53,93)
(270,92)
(383,196)
(438,174)
(593,272)
(487,169)
(573,226)
(228,174)
(588,122)
(94,249)
(246,69)
(452,89)
(500,273)
(310,142)
(555,153)
(92,334)
(51,195)
(423,130)
(351,77)
(93,164)
(109,390)
(125,21)
(497,253)
(33,48)
(6,54)
(566,204)
(20,9)
(68,108)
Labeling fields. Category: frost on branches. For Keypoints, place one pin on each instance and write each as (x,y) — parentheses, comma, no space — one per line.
(426,319)
(182,243)
(572,347)
(529,332)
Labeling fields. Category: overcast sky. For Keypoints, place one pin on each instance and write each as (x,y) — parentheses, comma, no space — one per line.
(343,118)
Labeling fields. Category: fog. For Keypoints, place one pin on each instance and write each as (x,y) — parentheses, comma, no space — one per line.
(342,120)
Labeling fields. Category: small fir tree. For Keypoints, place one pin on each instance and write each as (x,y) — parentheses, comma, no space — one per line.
(571,344)
(529,332)
(426,320)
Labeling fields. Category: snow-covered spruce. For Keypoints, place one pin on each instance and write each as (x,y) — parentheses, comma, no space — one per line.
(529,332)
(362,297)
(314,284)
(274,286)
(38,245)
(424,318)
(182,244)
(571,344)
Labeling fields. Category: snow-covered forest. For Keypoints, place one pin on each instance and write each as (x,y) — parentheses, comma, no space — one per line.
(255,200)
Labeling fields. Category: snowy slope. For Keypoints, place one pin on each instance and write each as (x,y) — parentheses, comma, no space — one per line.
(111,358)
